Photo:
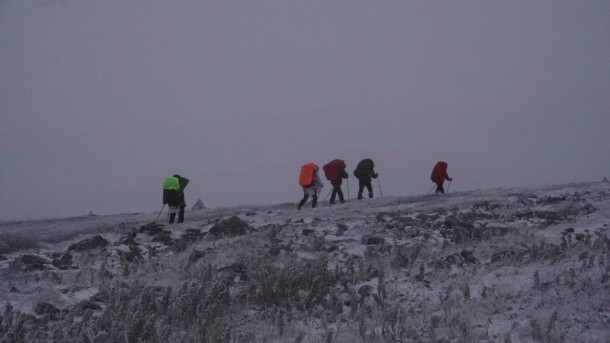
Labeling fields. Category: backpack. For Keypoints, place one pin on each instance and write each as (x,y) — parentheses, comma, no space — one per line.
(171,183)
(439,172)
(364,168)
(306,176)
(332,170)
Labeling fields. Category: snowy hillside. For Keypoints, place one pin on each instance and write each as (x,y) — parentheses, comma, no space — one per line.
(505,265)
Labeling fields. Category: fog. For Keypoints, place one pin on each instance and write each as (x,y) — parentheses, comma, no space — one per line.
(99,101)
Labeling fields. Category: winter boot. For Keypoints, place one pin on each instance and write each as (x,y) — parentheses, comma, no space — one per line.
(370,195)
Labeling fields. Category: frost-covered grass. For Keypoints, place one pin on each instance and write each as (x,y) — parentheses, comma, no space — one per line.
(527,265)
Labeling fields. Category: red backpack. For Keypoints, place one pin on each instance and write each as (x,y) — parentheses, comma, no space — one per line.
(332,170)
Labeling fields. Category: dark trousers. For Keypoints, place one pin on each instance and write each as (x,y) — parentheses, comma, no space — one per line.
(367,184)
(336,190)
(172,216)
(314,201)
(440,188)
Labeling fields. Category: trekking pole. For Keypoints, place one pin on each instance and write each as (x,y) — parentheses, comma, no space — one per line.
(449,185)
(348,189)
(160,212)
(430,189)
(327,194)
(379,184)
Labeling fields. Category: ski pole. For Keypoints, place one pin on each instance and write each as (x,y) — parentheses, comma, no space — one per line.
(160,212)
(430,189)
(379,184)
(449,185)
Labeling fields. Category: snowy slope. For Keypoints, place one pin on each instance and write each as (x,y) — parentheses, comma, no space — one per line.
(505,265)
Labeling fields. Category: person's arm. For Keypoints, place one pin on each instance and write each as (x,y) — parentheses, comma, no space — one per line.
(186,182)
(447,177)
(316,180)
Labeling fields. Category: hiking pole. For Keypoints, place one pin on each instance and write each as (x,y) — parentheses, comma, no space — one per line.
(379,184)
(449,185)
(348,189)
(430,189)
(326,197)
(160,212)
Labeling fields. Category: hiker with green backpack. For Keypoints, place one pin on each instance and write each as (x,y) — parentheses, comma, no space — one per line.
(173,196)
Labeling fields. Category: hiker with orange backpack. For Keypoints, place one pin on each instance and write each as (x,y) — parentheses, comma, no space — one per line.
(439,175)
(335,173)
(311,183)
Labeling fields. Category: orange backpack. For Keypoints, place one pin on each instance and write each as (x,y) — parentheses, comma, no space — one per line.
(306,176)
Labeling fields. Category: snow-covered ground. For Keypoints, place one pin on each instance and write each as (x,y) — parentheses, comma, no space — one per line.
(503,265)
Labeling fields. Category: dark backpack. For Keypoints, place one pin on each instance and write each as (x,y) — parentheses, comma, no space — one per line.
(364,168)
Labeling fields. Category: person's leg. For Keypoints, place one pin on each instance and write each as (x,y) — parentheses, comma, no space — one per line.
(360,188)
(336,189)
(305,197)
(369,187)
(340,192)
(439,188)
(333,195)
(181,215)
(172,214)
(314,201)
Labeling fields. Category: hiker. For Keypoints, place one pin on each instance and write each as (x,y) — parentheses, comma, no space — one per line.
(335,173)
(171,198)
(439,175)
(182,185)
(311,183)
(364,172)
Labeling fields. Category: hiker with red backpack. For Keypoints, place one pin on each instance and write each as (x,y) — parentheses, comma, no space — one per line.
(364,172)
(311,183)
(335,173)
(439,175)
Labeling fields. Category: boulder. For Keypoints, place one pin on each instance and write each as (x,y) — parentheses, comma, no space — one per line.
(372,240)
(196,255)
(151,228)
(64,262)
(198,205)
(89,244)
(192,235)
(29,263)
(46,309)
(306,232)
(230,227)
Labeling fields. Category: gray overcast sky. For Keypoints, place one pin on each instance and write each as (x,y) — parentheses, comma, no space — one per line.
(100,100)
